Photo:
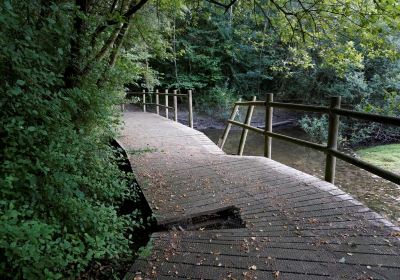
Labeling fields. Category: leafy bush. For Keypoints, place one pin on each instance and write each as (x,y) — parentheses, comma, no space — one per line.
(362,133)
(375,91)
(316,127)
(216,101)
(359,133)
(60,185)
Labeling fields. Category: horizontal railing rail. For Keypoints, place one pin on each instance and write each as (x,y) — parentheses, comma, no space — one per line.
(300,107)
(368,117)
(250,103)
(159,105)
(154,93)
(166,106)
(330,149)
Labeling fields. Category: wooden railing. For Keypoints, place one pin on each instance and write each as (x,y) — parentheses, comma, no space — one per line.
(144,94)
(334,112)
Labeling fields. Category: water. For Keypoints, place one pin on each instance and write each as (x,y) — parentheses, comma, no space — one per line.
(377,193)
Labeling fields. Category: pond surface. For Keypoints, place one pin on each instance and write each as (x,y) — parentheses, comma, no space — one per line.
(375,192)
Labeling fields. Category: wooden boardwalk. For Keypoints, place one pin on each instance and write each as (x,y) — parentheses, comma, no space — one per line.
(296,226)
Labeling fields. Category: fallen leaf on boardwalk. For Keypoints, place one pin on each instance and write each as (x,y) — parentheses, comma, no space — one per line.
(312,221)
(342,260)
(276,274)
(253,267)
(253,238)
(395,234)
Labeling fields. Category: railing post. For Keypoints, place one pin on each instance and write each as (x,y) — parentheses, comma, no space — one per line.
(175,105)
(222,141)
(144,100)
(268,125)
(245,131)
(123,103)
(157,103)
(190,101)
(330,166)
(166,104)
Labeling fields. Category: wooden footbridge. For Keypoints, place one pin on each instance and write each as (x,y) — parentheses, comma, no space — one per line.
(239,217)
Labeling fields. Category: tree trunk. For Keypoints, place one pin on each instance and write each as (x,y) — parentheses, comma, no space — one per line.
(72,71)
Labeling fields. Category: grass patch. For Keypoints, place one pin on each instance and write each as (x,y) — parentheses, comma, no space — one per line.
(384,156)
(141,151)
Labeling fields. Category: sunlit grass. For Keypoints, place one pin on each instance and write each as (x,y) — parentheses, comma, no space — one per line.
(385,156)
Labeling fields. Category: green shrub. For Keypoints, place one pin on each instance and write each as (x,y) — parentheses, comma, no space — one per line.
(216,101)
(382,103)
(60,185)
(357,132)
(316,127)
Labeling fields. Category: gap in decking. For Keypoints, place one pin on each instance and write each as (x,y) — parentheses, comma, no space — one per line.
(222,218)
(138,204)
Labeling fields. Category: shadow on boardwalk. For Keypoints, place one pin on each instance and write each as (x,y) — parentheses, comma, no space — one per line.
(292,225)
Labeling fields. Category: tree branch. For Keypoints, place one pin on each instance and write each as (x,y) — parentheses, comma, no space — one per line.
(216,3)
(118,43)
(226,6)
(126,16)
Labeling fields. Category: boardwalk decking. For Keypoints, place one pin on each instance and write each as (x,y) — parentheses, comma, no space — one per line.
(296,226)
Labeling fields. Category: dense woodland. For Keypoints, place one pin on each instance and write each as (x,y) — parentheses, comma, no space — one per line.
(65,65)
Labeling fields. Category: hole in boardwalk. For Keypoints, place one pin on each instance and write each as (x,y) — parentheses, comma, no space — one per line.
(136,206)
(222,218)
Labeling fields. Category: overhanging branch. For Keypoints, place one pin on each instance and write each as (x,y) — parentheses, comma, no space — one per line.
(126,16)
(226,6)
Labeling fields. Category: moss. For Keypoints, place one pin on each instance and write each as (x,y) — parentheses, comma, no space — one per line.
(385,156)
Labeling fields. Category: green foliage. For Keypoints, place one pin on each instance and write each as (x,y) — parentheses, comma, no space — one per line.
(362,133)
(60,184)
(217,101)
(142,151)
(316,127)
(306,51)
(145,251)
